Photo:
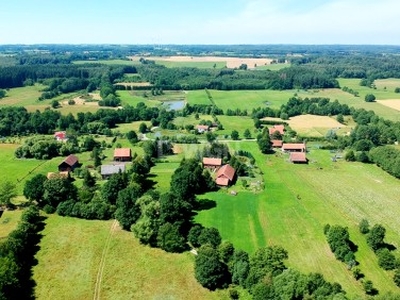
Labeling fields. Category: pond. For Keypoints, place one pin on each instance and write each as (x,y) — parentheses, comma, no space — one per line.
(174,105)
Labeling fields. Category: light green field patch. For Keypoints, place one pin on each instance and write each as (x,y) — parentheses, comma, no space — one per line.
(192,64)
(72,251)
(8,222)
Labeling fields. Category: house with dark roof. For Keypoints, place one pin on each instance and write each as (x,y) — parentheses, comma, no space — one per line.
(298,157)
(122,154)
(107,170)
(225,175)
(68,164)
(212,163)
(294,147)
(278,128)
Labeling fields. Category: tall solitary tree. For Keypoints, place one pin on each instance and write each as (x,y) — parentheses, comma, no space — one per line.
(7,193)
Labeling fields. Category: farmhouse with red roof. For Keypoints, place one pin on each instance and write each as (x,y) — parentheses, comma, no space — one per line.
(298,157)
(294,147)
(279,128)
(225,175)
(212,163)
(122,154)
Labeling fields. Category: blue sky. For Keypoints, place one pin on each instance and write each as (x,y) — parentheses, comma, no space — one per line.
(200,22)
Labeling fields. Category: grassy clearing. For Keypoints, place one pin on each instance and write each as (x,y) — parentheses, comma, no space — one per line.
(23,96)
(9,221)
(298,201)
(273,67)
(70,257)
(22,169)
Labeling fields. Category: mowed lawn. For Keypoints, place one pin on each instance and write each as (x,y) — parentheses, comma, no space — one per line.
(72,251)
(296,204)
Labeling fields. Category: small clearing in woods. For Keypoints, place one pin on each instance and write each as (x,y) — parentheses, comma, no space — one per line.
(231,62)
(392,103)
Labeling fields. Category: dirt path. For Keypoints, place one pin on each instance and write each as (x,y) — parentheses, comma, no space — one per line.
(97,286)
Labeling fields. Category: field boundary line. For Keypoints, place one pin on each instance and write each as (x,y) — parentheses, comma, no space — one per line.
(99,277)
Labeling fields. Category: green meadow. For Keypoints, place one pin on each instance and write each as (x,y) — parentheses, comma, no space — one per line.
(298,201)
(80,259)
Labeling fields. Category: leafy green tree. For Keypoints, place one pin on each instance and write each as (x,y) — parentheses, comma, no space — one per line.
(55,104)
(132,137)
(210,272)
(146,227)
(7,193)
(210,136)
(239,267)
(2,93)
(340,118)
(57,190)
(194,233)
(247,134)
(235,135)
(34,188)
(370,98)
(210,236)
(264,141)
(262,291)
(269,260)
(369,287)
(350,156)
(170,239)
(396,277)
(89,181)
(114,184)
(364,226)
(127,211)
(386,259)
(376,236)
(96,157)
(143,127)
(226,251)
(174,209)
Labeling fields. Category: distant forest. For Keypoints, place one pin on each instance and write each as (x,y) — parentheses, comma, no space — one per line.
(311,67)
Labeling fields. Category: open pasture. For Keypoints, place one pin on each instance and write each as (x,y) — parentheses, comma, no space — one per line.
(298,201)
(392,103)
(20,170)
(8,222)
(80,259)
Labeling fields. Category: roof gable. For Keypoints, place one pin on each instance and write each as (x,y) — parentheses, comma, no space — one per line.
(226,171)
(294,146)
(122,152)
(70,160)
(212,161)
(298,157)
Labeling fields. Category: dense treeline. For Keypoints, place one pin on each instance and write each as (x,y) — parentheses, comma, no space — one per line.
(339,241)
(18,121)
(17,76)
(230,79)
(17,253)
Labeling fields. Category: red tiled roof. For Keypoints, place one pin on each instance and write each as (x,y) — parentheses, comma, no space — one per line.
(122,152)
(222,181)
(279,128)
(61,135)
(294,146)
(226,171)
(298,157)
(277,143)
(71,160)
(212,161)
(204,127)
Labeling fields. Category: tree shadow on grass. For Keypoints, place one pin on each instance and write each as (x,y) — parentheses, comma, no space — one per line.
(205,204)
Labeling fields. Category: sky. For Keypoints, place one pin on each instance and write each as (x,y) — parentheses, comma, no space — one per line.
(200,22)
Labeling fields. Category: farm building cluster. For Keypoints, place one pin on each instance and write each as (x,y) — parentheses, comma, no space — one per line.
(224,174)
